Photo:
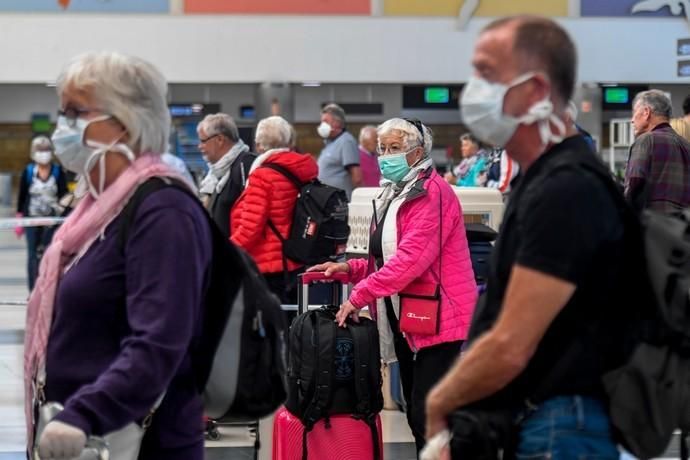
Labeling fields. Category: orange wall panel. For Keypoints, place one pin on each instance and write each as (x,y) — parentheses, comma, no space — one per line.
(345,7)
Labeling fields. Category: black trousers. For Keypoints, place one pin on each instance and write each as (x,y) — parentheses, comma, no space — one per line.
(419,373)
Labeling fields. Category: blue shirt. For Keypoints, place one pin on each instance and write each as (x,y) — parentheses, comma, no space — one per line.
(339,154)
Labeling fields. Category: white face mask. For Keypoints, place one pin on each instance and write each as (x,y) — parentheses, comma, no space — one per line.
(42,157)
(324,130)
(481,108)
(80,156)
(69,144)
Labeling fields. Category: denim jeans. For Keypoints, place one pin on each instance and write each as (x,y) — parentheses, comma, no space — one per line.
(37,240)
(567,428)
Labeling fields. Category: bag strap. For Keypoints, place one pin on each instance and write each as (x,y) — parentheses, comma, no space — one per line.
(362,378)
(296,182)
(130,209)
(285,172)
(320,388)
(286,272)
(365,380)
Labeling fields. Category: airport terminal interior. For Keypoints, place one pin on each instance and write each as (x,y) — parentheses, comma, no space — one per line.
(251,59)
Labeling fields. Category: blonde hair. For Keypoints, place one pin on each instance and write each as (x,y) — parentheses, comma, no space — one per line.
(681,127)
(40,143)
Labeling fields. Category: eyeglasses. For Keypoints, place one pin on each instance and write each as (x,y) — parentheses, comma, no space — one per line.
(72,113)
(203,141)
(387,150)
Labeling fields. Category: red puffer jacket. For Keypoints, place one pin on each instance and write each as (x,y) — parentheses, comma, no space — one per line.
(269,195)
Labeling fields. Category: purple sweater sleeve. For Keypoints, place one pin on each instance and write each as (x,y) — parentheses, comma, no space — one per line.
(167,253)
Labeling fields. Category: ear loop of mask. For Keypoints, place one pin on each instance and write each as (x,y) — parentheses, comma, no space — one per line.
(542,114)
(101,150)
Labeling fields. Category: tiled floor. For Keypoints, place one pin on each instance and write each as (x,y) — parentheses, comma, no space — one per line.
(235,443)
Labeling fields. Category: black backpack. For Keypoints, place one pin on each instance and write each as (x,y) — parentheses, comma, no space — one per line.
(239,362)
(649,396)
(319,228)
(333,370)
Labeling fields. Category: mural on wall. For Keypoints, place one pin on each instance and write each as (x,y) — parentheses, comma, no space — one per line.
(85,6)
(620,8)
(470,8)
(333,7)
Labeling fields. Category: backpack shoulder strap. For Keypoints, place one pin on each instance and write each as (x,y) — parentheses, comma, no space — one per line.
(285,172)
(55,171)
(30,172)
(366,383)
(323,344)
(127,215)
(239,171)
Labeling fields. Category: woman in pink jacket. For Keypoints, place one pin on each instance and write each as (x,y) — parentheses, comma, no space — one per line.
(417,242)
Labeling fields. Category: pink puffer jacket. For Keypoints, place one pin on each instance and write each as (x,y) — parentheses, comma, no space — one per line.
(417,257)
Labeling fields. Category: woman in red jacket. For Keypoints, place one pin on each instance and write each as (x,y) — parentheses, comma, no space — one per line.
(269,201)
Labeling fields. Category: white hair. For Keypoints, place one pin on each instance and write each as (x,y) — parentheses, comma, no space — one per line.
(273,133)
(366,131)
(657,101)
(130,89)
(40,143)
(219,123)
(411,135)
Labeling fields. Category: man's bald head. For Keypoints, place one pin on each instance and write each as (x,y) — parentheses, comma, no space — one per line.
(541,45)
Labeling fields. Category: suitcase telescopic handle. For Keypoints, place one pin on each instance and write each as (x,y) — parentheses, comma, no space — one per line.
(311,277)
(338,280)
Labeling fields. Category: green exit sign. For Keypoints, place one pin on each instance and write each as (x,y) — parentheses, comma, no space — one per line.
(436,95)
(616,95)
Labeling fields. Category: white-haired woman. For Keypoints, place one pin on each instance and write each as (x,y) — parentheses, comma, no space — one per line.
(263,213)
(41,187)
(110,324)
(417,246)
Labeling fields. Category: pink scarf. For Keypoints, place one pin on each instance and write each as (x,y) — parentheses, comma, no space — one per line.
(79,231)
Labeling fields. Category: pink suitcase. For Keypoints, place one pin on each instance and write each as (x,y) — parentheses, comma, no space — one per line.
(346,439)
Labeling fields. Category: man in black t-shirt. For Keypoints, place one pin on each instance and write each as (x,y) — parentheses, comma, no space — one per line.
(546,329)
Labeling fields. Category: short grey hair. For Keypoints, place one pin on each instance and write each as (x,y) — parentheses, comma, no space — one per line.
(273,133)
(365,131)
(41,143)
(657,101)
(219,123)
(130,89)
(411,135)
(336,111)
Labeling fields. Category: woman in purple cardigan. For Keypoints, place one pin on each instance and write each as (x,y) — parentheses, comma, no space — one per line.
(111,325)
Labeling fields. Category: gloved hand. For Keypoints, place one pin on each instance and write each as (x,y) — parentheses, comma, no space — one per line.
(437,447)
(61,441)
(19,231)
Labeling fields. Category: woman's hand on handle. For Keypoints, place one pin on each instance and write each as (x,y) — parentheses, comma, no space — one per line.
(346,309)
(329,268)
(61,441)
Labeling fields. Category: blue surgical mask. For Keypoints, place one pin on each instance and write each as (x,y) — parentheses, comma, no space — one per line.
(394,167)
